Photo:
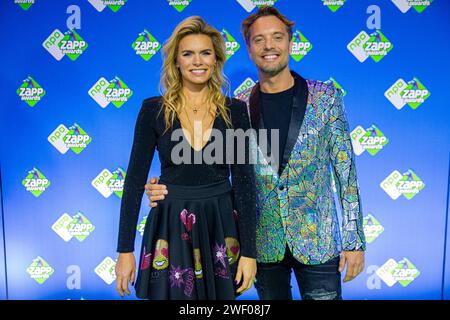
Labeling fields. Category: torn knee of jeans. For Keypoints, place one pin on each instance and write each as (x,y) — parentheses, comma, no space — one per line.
(321,294)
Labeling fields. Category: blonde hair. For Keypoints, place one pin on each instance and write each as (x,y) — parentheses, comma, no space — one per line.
(171,81)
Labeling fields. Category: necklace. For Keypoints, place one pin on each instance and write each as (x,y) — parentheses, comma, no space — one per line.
(189,119)
(197,135)
(195,109)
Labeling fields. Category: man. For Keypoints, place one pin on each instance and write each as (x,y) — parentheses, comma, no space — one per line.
(297,226)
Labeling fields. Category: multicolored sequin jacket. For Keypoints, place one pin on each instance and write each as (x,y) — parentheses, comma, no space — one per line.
(297,208)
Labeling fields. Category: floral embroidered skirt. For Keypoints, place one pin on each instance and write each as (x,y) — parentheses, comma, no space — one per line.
(190,245)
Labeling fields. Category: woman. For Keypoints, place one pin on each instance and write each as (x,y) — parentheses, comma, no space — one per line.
(191,248)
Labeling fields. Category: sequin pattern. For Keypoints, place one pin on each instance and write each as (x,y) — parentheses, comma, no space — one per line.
(298,207)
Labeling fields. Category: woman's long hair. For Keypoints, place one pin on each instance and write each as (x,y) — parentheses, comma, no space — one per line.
(171,80)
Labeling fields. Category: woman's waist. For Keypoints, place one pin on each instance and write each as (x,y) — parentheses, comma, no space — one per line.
(196,191)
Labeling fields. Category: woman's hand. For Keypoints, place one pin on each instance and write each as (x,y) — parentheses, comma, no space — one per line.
(247,270)
(125,272)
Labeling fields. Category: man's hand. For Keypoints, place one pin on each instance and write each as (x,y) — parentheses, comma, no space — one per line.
(355,264)
(246,269)
(125,272)
(155,192)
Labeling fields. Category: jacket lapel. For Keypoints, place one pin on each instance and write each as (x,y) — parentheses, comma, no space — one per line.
(297,115)
(255,109)
(300,98)
(257,123)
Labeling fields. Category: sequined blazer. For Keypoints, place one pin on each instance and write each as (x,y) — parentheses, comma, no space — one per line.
(297,207)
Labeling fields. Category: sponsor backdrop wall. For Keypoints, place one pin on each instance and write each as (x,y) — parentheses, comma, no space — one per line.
(2,251)
(74,74)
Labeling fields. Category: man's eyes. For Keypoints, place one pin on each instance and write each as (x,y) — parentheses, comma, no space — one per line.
(276,38)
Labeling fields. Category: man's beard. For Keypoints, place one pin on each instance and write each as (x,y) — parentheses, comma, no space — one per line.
(273,71)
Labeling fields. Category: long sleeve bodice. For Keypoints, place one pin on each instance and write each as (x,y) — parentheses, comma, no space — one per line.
(150,134)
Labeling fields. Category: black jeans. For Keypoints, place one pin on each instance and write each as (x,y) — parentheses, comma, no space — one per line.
(316,282)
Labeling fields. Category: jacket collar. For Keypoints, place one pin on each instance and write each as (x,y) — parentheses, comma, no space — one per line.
(300,99)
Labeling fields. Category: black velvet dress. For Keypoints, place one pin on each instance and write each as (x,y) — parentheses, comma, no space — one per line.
(194,237)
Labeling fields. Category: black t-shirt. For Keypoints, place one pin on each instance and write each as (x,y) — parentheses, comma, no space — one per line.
(276,109)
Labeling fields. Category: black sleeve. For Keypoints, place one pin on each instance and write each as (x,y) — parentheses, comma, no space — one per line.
(243,181)
(138,168)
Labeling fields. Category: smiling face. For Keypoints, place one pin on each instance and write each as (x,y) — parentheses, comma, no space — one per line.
(269,45)
(161,256)
(196,59)
(233,249)
(198,264)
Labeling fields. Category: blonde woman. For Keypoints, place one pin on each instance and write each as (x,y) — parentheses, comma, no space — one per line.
(199,242)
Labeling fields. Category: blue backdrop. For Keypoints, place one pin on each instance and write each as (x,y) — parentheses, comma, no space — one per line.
(60,241)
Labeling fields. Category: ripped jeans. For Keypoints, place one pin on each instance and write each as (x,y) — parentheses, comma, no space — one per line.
(316,282)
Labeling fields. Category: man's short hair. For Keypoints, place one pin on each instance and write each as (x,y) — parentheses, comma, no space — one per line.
(265,11)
